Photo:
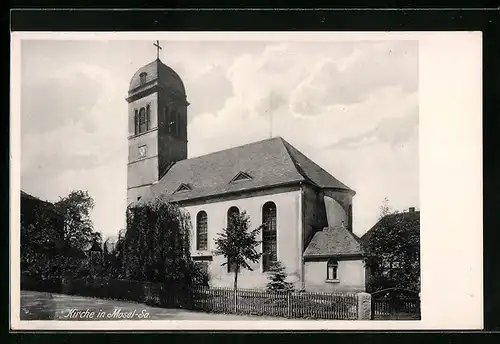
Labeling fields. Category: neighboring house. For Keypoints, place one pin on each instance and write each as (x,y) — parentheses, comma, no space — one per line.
(34,209)
(95,251)
(271,180)
(38,218)
(388,267)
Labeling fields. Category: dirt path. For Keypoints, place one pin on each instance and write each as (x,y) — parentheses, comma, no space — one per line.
(47,306)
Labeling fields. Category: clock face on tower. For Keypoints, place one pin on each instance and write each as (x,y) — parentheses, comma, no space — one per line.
(142,151)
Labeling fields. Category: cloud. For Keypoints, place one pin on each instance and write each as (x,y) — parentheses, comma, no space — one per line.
(354,78)
(207,90)
(70,123)
(391,130)
(56,102)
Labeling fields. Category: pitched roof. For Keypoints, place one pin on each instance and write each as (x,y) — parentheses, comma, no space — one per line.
(35,200)
(397,219)
(95,247)
(311,171)
(333,242)
(268,163)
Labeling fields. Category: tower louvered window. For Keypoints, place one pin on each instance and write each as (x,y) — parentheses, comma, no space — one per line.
(142,120)
(148,117)
(136,122)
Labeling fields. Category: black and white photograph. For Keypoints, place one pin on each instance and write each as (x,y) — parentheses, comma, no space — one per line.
(255,180)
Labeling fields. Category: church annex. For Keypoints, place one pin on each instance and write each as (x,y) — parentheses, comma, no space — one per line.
(306,211)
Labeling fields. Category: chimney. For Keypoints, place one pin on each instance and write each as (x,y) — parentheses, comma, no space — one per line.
(412,210)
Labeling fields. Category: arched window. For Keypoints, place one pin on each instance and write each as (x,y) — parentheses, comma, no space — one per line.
(165,117)
(201,231)
(230,213)
(182,125)
(331,270)
(148,117)
(142,120)
(171,121)
(142,76)
(269,245)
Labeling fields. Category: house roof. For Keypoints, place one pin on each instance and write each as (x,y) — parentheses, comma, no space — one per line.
(267,163)
(396,220)
(333,242)
(26,197)
(95,247)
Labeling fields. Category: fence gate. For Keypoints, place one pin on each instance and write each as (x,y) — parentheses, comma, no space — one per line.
(395,303)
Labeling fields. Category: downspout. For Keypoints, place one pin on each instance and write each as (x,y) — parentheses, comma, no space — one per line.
(301,236)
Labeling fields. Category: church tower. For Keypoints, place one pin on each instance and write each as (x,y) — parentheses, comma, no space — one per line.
(157,122)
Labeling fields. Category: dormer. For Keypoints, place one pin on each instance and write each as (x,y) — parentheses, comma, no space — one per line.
(183,188)
(241,177)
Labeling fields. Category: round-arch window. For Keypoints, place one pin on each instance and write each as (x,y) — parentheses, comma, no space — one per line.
(201,231)
(269,242)
(233,211)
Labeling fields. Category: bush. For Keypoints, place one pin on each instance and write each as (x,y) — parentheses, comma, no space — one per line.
(277,279)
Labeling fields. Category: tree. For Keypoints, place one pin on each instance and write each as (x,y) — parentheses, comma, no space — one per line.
(277,279)
(392,250)
(237,244)
(78,227)
(113,255)
(156,244)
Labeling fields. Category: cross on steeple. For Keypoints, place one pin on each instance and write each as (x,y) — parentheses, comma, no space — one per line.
(158,48)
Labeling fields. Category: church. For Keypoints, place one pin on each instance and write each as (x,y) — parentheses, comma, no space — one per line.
(306,212)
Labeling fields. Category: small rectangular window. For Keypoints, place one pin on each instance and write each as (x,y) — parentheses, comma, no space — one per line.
(332,270)
(332,273)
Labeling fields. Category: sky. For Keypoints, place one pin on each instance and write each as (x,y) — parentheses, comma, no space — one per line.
(350,106)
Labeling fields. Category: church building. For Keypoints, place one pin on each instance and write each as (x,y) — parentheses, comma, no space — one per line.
(306,212)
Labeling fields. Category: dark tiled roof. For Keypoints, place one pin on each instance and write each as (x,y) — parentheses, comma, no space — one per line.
(95,247)
(311,171)
(157,70)
(333,242)
(30,198)
(268,163)
(397,219)
(26,195)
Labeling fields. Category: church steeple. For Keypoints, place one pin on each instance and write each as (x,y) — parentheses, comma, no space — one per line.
(157,125)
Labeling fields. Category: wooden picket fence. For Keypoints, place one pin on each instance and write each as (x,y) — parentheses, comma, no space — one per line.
(305,305)
(333,306)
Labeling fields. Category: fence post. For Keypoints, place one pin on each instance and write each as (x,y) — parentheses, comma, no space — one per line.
(289,305)
(235,301)
(364,306)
